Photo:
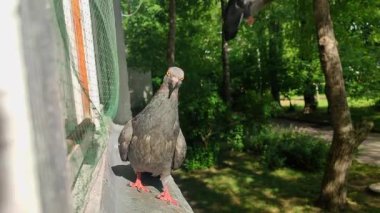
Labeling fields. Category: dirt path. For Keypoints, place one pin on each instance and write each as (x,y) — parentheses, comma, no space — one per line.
(369,150)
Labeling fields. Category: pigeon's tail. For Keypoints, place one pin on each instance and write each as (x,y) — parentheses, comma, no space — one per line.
(124,140)
(123,149)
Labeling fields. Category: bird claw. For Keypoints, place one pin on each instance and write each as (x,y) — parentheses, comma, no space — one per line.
(164,196)
(139,187)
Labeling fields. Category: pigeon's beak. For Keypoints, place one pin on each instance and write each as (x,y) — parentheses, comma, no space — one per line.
(173,84)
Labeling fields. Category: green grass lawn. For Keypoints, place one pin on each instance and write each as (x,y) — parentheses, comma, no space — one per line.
(241,184)
(360,108)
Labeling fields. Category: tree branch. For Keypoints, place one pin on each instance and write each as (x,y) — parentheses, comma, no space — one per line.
(362,130)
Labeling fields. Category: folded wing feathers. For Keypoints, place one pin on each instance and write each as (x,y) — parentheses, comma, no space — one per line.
(124,140)
(180,151)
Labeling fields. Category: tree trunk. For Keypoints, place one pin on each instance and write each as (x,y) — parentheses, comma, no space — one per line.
(305,54)
(262,60)
(275,52)
(225,64)
(171,34)
(310,97)
(345,138)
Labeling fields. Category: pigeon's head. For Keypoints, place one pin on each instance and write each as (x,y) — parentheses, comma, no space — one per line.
(173,78)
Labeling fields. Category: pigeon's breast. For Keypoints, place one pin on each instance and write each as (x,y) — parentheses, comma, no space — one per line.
(152,152)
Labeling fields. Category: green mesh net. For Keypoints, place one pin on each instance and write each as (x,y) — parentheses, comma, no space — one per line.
(89,82)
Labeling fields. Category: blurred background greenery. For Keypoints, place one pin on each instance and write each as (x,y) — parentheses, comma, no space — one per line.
(273,64)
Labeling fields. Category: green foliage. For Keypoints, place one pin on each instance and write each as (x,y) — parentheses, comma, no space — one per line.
(359,45)
(241,179)
(257,107)
(235,138)
(145,34)
(272,157)
(202,115)
(304,152)
(377,105)
(201,157)
(207,111)
(279,50)
(279,148)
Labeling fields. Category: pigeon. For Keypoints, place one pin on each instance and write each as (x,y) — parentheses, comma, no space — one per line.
(153,141)
(234,13)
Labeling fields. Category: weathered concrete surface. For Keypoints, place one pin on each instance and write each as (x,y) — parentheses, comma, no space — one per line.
(111,193)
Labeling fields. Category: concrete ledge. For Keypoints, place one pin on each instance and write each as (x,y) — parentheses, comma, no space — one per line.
(111,193)
(96,186)
(81,139)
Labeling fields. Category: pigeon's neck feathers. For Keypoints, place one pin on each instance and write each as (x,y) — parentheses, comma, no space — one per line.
(164,90)
(161,109)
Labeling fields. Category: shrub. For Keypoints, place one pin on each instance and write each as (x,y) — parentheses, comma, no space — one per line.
(258,138)
(235,138)
(201,116)
(377,105)
(304,152)
(279,148)
(257,107)
(201,157)
(271,157)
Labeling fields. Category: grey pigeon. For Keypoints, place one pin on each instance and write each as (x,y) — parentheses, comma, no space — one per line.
(153,141)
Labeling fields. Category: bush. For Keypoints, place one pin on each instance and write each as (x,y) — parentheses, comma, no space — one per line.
(235,138)
(279,148)
(201,157)
(377,105)
(257,107)
(271,157)
(304,152)
(201,116)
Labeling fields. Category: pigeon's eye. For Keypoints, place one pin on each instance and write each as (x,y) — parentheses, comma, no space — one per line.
(181,79)
(169,74)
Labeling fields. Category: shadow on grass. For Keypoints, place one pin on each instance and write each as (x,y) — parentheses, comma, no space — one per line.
(359,178)
(203,198)
(241,185)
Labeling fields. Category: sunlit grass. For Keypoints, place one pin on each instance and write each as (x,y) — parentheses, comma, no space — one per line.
(241,184)
(322,102)
(361,108)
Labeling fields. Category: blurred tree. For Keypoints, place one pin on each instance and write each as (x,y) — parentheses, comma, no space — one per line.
(145,33)
(275,67)
(359,44)
(171,33)
(306,44)
(346,138)
(277,52)
(225,61)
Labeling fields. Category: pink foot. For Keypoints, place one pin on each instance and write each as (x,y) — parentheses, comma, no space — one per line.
(250,20)
(138,185)
(165,196)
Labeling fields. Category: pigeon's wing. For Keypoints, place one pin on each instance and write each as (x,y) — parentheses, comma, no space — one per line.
(233,15)
(236,10)
(256,5)
(125,138)
(180,151)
